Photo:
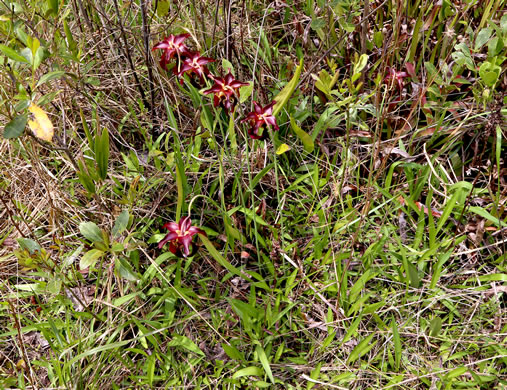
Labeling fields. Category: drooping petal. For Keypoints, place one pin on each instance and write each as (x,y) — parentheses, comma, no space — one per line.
(185,224)
(270,120)
(161,45)
(195,230)
(268,110)
(169,237)
(171,226)
(185,242)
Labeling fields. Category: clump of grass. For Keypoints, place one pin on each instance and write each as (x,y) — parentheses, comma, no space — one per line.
(361,245)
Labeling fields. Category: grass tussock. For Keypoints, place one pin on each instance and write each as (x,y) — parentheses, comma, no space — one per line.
(249,194)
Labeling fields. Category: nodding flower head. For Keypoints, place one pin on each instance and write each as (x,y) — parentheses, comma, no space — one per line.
(395,77)
(259,119)
(194,63)
(180,236)
(172,46)
(226,91)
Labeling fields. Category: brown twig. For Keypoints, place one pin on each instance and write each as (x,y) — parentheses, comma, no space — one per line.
(129,57)
(146,38)
(17,325)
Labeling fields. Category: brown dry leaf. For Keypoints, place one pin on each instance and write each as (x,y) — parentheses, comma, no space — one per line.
(41,126)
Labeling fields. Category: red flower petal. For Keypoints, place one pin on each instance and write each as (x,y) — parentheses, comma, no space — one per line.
(169,237)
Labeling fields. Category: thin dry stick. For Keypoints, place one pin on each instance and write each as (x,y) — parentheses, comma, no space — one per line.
(129,58)
(17,325)
(146,38)
(333,46)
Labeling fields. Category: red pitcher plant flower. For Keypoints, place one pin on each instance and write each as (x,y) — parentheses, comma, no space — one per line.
(172,45)
(226,91)
(395,77)
(194,63)
(180,236)
(259,119)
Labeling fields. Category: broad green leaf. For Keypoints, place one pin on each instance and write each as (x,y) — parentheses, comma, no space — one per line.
(352,329)
(449,207)
(91,231)
(397,344)
(482,37)
(489,73)
(463,56)
(125,270)
(378,38)
(491,278)
(85,179)
(318,23)
(234,354)
(22,105)
(185,342)
(15,127)
(162,8)
(361,63)
(322,82)
(437,268)
(117,247)
(227,66)
(362,348)
(495,46)
(356,289)
(13,54)
(90,258)
(33,44)
(220,259)
(121,223)
(181,183)
(303,136)
(283,97)
(413,274)
(54,286)
(248,371)
(27,54)
(72,257)
(71,43)
(282,149)
(265,362)
(456,372)
(245,92)
(94,351)
(28,244)
(249,213)
(53,6)
(102,152)
(50,76)
(127,298)
(433,74)
(435,326)
(231,130)
(245,311)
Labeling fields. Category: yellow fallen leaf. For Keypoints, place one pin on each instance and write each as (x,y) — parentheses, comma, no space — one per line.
(41,126)
(282,149)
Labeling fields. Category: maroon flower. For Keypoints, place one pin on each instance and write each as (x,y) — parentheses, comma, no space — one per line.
(194,63)
(259,119)
(172,45)
(393,76)
(180,236)
(226,91)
